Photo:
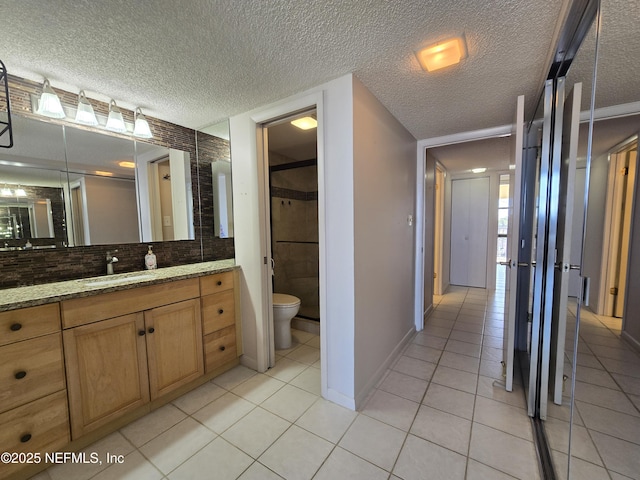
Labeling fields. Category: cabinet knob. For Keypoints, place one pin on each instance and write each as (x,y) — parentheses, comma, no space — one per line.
(151,330)
(15,327)
(222,348)
(141,333)
(25,438)
(221,311)
(20,375)
(219,282)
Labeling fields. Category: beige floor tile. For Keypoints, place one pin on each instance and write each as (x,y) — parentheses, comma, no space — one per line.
(327,420)
(479,471)
(256,431)
(489,341)
(468,327)
(223,412)
(297,454)
(629,385)
(289,402)
(219,460)
(234,377)
(314,341)
(286,369)
(581,444)
(437,331)
(503,417)
(170,449)
(595,376)
(450,400)
(342,464)
(404,386)
(444,429)
(257,471)
(442,321)
(504,452)
(429,341)
(619,455)
(152,424)
(300,336)
(620,354)
(468,337)
(388,408)
(414,367)
(460,362)
(198,398)
(308,380)
(463,348)
(258,388)
(134,467)
(426,354)
(305,354)
(450,377)
(492,353)
(580,469)
(492,369)
(493,388)
(605,397)
(374,441)
(419,456)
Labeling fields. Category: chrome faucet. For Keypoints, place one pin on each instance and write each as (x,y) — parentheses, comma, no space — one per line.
(110,261)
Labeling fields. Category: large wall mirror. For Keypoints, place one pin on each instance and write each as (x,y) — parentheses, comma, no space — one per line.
(66,186)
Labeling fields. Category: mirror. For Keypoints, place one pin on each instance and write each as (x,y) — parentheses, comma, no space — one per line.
(88,188)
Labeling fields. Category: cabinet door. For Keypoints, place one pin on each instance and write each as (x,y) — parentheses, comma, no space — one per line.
(174,346)
(106,371)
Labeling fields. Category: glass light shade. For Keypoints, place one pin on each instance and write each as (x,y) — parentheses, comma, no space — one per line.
(141,128)
(115,121)
(305,123)
(85,113)
(6,192)
(442,54)
(49,104)
(20,192)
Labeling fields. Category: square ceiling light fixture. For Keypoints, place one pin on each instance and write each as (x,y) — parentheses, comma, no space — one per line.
(305,123)
(442,54)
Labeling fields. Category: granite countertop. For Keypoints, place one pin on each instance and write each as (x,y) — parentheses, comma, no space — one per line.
(34,295)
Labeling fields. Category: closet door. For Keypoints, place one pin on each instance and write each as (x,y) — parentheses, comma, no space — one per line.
(469,231)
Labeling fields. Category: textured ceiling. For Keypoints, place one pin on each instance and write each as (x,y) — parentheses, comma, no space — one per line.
(197,62)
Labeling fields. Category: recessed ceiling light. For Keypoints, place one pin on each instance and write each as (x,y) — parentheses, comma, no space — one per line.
(479,170)
(442,54)
(127,164)
(305,123)
(102,173)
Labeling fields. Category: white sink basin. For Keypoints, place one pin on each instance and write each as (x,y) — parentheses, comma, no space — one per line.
(96,282)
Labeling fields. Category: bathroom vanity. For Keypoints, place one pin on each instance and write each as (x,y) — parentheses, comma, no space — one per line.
(80,359)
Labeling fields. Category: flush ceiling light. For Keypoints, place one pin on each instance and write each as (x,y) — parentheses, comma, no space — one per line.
(305,123)
(49,104)
(85,113)
(141,128)
(115,122)
(127,164)
(479,170)
(442,54)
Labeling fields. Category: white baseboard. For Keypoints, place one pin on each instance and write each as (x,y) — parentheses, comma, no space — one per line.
(342,400)
(249,362)
(364,393)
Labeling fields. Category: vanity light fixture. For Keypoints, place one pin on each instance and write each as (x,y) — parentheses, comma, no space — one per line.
(20,192)
(115,122)
(442,54)
(479,170)
(6,192)
(141,128)
(85,113)
(49,104)
(305,123)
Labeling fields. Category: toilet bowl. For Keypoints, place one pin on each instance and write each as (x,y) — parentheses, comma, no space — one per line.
(285,308)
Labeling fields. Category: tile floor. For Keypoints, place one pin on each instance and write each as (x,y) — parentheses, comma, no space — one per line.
(606,432)
(438,413)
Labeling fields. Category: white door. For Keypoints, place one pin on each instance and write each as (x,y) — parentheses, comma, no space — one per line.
(514,245)
(469,219)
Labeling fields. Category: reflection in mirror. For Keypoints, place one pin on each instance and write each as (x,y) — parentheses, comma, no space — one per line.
(32,181)
(165,193)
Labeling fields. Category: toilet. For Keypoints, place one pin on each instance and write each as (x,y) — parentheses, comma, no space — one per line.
(285,308)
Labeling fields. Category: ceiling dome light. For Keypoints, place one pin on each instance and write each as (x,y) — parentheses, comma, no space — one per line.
(85,113)
(443,54)
(115,122)
(141,128)
(49,104)
(479,170)
(305,123)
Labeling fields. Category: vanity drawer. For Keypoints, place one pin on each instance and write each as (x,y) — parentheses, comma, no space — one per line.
(38,427)
(24,323)
(218,311)
(30,370)
(220,348)
(81,311)
(216,283)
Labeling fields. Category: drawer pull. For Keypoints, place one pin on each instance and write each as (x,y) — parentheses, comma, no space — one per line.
(141,333)
(222,348)
(219,282)
(221,311)
(20,375)
(151,330)
(25,438)
(15,327)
